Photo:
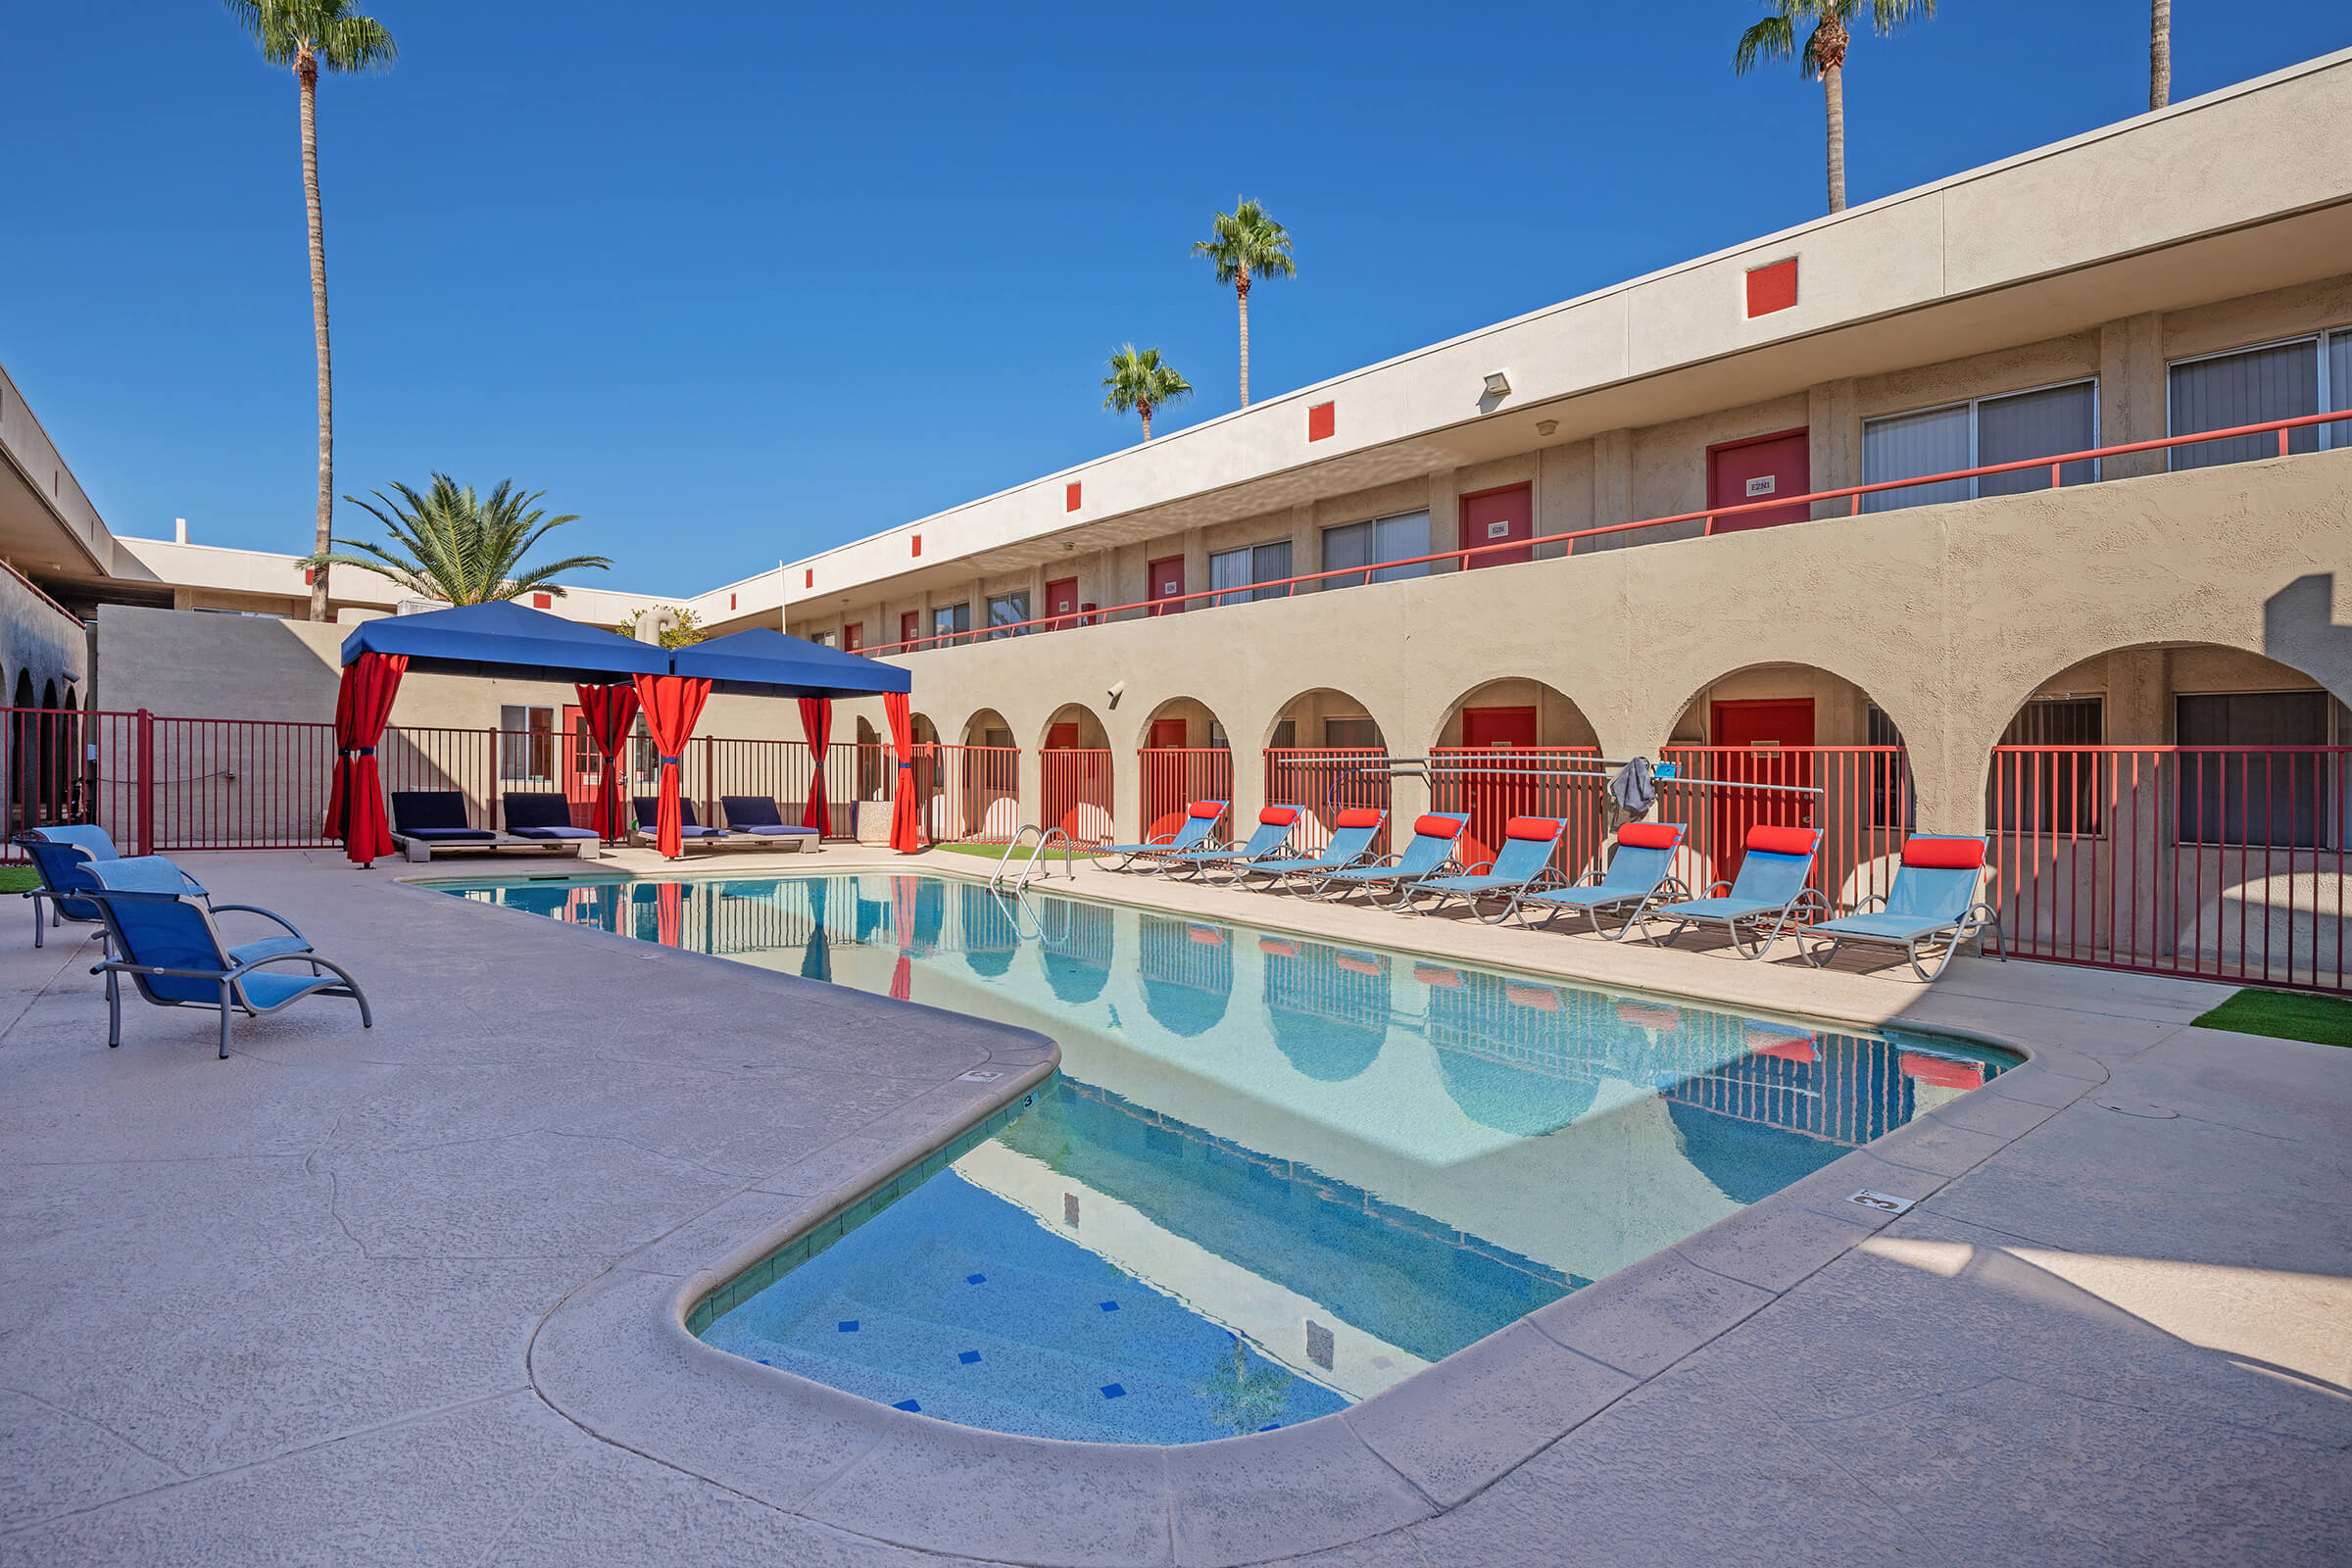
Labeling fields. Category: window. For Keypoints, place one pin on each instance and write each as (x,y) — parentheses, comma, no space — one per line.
(1286,736)
(1352,733)
(2042,789)
(2248,386)
(2009,429)
(1238,568)
(526,742)
(1005,612)
(823,639)
(949,624)
(1368,544)
(2266,798)
(587,762)
(1891,802)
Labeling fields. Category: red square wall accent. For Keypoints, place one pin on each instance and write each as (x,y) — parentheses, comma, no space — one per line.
(730,601)
(1069,496)
(808,578)
(308,574)
(1771,288)
(1321,421)
(542,600)
(919,544)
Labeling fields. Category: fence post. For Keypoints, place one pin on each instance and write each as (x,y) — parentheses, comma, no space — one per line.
(709,781)
(145,764)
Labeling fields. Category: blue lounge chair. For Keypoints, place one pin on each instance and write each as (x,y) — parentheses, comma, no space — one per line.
(1200,819)
(1769,895)
(1429,853)
(1272,836)
(1351,835)
(166,941)
(1491,889)
(758,815)
(1934,901)
(546,819)
(1640,873)
(649,808)
(58,855)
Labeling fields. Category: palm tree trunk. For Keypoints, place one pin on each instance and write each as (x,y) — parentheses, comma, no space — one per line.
(306,72)
(2160,53)
(1833,91)
(1145,409)
(1240,289)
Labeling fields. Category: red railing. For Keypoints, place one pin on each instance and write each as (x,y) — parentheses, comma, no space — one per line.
(1174,777)
(1864,809)
(1328,781)
(2222,863)
(1517,550)
(973,793)
(1496,785)
(1076,785)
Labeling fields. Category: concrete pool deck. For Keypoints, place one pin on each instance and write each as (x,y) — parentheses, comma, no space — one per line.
(410,1295)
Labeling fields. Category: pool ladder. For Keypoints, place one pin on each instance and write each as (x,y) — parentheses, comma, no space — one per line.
(1035,865)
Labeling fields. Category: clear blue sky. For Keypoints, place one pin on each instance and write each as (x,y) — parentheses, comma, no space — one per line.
(741,289)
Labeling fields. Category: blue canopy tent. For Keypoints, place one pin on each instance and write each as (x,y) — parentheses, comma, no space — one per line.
(614,675)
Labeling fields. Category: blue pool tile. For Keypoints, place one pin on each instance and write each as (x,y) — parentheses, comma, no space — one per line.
(976,1279)
(1113,1391)
(907,1405)
(849,1325)
(1111,1306)
(968,1357)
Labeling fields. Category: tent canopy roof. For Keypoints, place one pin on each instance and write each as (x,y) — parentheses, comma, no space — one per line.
(505,637)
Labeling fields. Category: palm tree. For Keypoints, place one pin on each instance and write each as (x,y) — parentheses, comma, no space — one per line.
(308,35)
(1139,381)
(2160,53)
(1245,1398)
(1824,55)
(459,549)
(1247,245)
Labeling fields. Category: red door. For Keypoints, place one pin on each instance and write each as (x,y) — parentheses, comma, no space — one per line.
(1061,605)
(1744,473)
(1062,737)
(853,637)
(1493,798)
(1778,734)
(583,766)
(1168,582)
(910,626)
(1168,734)
(1492,516)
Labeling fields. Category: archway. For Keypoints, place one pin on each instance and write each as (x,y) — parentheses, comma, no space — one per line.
(1790,745)
(872,767)
(2179,807)
(1517,746)
(1318,752)
(984,781)
(1185,757)
(1187,969)
(1075,775)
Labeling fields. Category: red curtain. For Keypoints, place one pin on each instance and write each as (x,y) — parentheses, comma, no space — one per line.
(608,711)
(903,890)
(816,723)
(669,914)
(355,801)
(906,834)
(673,703)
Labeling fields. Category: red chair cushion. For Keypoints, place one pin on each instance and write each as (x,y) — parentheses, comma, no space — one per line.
(1354,963)
(1358,816)
(1531,827)
(1278,816)
(1544,999)
(1650,834)
(1945,855)
(1278,947)
(1209,809)
(1942,1072)
(1784,840)
(1433,974)
(1439,827)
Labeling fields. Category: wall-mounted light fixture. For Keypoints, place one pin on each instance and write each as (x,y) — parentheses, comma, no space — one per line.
(1547,427)
(1117,690)
(1499,384)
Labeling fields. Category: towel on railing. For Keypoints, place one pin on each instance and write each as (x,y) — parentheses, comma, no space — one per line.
(1634,789)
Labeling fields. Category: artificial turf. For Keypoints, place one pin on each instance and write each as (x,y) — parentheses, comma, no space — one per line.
(996,852)
(19,879)
(2284,1015)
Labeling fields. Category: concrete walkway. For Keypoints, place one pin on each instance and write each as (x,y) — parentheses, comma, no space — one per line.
(398,1295)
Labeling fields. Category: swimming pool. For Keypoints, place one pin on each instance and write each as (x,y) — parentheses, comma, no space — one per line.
(1275,1175)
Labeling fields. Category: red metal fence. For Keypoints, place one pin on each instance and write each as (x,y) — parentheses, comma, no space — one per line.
(1496,785)
(973,793)
(1328,781)
(1864,809)
(1174,777)
(1076,784)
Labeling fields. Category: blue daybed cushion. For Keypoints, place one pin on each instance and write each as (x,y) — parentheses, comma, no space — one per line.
(649,808)
(543,816)
(433,814)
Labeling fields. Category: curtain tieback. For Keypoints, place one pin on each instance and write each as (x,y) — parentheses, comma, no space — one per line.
(673,761)
(359,750)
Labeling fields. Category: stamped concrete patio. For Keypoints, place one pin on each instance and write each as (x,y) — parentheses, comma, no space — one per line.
(410,1295)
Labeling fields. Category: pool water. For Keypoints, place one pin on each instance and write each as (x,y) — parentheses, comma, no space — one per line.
(1274,1177)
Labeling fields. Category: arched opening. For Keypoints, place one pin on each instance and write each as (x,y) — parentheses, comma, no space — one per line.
(1187,971)
(980,797)
(2179,807)
(1077,949)
(1789,746)
(1185,757)
(1328,1006)
(1075,775)
(872,764)
(1319,751)
(1519,748)
(932,766)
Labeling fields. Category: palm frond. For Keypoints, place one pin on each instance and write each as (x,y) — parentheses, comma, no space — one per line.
(1138,378)
(1246,243)
(1772,39)
(338,38)
(464,547)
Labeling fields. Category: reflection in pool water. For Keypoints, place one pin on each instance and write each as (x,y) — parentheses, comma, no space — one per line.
(1276,1175)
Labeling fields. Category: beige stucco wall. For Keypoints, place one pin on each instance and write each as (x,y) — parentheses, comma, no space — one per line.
(1948,618)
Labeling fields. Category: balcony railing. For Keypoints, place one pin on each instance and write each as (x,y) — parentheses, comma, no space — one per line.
(1518,551)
